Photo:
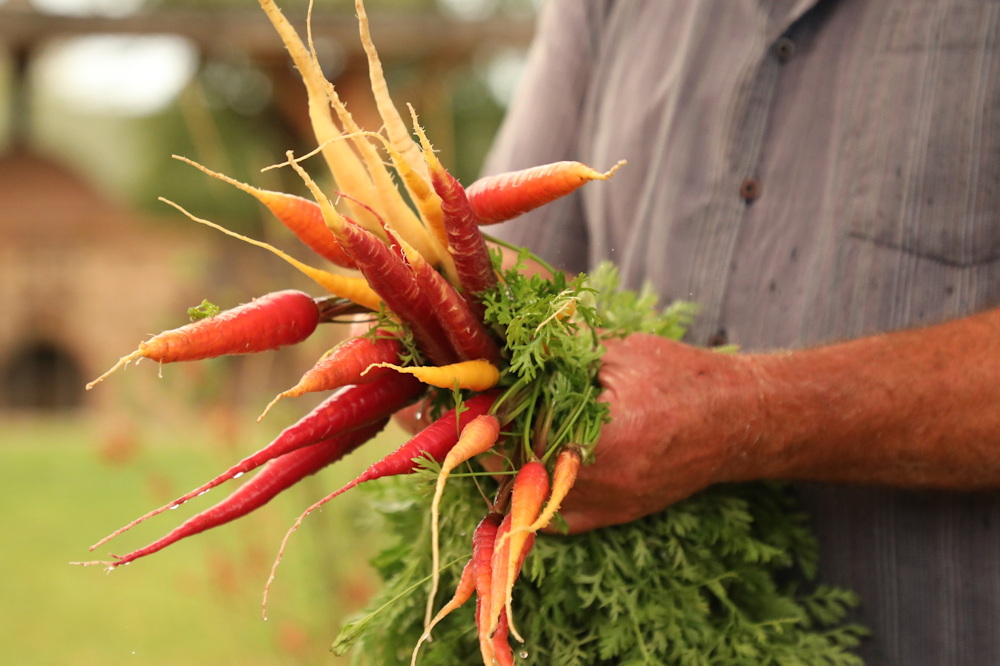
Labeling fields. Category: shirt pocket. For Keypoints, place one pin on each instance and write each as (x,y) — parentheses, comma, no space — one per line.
(922,149)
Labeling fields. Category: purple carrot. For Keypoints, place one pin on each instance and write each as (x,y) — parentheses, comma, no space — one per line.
(466,331)
(466,243)
(392,279)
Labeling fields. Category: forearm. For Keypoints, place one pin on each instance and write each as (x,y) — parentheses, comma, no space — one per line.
(918,408)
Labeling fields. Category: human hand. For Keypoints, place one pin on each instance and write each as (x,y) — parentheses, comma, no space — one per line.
(683,418)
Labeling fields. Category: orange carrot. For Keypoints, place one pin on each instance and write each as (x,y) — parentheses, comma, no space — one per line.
(278,319)
(475,375)
(477,437)
(350,362)
(504,196)
(301,216)
(563,477)
(531,487)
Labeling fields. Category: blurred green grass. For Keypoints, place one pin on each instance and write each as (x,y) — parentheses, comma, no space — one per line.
(64,484)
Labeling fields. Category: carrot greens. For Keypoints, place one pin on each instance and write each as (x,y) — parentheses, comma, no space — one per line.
(724,577)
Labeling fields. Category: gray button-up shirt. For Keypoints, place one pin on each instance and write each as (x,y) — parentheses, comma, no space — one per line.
(806,171)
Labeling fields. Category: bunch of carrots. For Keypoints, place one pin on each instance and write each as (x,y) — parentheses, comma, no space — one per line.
(428,274)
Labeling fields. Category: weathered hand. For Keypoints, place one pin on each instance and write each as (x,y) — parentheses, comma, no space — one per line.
(682,419)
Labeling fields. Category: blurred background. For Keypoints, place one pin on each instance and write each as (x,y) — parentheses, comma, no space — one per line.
(95,97)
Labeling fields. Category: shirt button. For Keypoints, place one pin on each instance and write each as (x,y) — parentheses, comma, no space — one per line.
(719,339)
(784,49)
(750,189)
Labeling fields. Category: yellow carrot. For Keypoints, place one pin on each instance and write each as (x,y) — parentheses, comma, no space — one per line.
(475,375)
(348,171)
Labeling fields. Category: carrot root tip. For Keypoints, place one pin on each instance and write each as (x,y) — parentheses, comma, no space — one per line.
(122,362)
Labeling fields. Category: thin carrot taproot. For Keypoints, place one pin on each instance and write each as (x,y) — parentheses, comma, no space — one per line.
(463,592)
(504,196)
(277,475)
(479,436)
(478,375)
(355,289)
(350,362)
(531,487)
(465,241)
(275,320)
(354,407)
(299,215)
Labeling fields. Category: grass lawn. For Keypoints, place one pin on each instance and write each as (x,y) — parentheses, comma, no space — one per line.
(197,602)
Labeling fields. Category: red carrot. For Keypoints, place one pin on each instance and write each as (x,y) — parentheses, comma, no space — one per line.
(355,407)
(276,320)
(299,215)
(503,655)
(348,363)
(465,242)
(505,196)
(531,487)
(483,541)
(434,442)
(477,437)
(278,475)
